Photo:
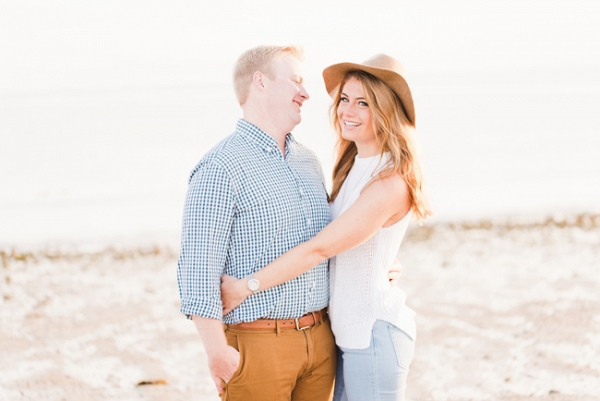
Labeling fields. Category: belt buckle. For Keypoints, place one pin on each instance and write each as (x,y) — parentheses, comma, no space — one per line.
(298,325)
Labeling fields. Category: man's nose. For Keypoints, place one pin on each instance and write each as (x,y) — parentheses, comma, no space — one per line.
(303,93)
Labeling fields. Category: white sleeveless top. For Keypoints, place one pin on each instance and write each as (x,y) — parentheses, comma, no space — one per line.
(360,292)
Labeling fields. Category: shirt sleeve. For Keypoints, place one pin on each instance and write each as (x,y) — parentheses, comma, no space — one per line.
(207,221)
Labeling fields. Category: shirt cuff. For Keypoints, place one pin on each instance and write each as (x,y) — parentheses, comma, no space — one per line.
(204,308)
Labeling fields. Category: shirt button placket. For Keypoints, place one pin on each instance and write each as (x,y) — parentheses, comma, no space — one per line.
(308,212)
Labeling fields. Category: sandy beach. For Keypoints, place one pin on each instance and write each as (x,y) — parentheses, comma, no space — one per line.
(507,310)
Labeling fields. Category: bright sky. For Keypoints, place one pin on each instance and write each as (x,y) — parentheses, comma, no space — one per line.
(80,44)
(96,94)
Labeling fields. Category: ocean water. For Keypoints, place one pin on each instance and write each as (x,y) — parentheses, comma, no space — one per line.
(106,107)
(109,164)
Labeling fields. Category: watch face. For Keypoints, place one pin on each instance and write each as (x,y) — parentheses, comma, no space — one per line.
(253,284)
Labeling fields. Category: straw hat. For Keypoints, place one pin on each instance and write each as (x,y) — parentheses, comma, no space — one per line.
(382,66)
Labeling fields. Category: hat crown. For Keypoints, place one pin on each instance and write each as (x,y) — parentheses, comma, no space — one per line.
(386,62)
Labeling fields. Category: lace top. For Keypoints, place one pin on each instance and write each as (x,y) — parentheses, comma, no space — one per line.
(359,284)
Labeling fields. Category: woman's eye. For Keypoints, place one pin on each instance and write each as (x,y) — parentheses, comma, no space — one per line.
(364,104)
(344,99)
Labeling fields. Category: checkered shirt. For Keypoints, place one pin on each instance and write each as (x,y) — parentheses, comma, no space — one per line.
(245,206)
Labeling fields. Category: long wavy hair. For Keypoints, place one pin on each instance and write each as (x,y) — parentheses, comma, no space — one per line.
(395,132)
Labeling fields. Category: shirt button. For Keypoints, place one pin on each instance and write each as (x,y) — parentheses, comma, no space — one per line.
(308,222)
(301,191)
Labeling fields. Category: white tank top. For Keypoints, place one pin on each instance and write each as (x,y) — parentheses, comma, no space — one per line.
(360,289)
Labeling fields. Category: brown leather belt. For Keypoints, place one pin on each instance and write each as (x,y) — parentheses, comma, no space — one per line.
(301,323)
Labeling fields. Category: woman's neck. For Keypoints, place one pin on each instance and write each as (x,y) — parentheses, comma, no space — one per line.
(368,150)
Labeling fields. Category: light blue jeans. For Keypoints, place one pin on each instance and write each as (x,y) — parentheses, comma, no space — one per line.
(377,373)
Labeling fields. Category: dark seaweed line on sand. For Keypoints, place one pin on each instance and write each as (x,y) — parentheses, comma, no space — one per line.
(583,221)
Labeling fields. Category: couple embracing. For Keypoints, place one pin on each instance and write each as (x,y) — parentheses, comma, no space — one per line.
(288,286)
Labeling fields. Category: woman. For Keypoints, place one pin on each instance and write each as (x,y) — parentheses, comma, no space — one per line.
(377,186)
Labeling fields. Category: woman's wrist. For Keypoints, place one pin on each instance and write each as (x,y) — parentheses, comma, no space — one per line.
(243,287)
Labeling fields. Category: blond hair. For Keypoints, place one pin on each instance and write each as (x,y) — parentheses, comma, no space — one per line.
(395,132)
(258,59)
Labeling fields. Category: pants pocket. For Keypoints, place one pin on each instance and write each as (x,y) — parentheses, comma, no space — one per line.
(404,346)
(234,341)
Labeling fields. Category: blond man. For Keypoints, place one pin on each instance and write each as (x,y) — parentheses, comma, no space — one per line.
(251,198)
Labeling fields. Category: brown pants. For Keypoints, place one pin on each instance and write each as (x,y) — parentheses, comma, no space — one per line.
(290,365)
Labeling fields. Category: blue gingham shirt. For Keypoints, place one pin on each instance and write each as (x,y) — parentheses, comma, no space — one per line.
(246,205)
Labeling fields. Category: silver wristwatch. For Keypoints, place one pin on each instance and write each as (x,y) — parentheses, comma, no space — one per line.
(253,284)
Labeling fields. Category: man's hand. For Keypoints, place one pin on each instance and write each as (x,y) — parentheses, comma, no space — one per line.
(222,365)
(395,273)
(223,360)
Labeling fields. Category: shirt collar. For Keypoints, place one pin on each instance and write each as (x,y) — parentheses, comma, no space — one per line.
(260,137)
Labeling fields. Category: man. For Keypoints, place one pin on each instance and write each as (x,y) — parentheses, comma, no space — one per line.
(254,196)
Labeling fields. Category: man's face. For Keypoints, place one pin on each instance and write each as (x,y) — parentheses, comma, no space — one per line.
(286,92)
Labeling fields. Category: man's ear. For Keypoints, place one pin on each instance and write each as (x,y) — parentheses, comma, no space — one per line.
(258,80)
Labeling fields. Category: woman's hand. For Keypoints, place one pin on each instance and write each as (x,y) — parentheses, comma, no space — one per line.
(395,272)
(233,292)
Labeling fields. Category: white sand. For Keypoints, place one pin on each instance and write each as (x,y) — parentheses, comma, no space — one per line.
(508,310)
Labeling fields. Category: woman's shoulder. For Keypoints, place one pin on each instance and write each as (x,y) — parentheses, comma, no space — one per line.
(393,190)
(388,188)
(390,182)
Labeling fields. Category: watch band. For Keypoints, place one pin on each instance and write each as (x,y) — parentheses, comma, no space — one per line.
(253,284)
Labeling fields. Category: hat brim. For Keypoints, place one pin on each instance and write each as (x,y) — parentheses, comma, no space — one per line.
(334,74)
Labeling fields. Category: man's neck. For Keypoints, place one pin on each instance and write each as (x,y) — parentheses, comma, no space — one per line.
(266,126)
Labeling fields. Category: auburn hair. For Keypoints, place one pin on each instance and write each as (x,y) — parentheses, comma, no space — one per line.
(394,131)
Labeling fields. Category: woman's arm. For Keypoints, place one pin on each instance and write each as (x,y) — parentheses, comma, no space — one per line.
(382,203)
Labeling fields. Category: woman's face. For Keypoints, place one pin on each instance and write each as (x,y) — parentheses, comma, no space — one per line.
(354,116)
